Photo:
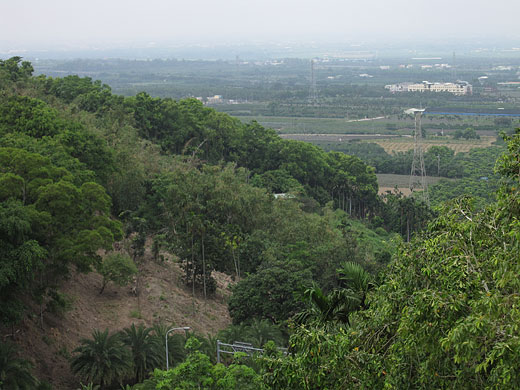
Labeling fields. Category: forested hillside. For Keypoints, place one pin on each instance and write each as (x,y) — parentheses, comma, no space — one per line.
(91,182)
(82,169)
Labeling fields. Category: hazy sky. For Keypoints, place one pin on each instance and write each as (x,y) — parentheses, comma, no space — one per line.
(41,23)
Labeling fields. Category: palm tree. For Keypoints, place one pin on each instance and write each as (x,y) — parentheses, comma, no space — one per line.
(328,308)
(176,341)
(209,347)
(15,373)
(102,359)
(146,350)
(234,333)
(262,331)
(356,279)
(336,306)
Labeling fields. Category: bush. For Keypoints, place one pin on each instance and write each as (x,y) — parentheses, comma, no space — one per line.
(15,372)
(117,268)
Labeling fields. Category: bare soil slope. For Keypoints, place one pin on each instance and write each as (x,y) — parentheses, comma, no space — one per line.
(163,298)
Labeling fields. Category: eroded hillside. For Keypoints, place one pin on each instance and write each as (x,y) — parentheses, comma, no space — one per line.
(163,299)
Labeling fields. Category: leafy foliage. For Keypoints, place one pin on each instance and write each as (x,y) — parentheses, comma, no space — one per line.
(145,348)
(336,306)
(102,360)
(14,69)
(176,341)
(54,214)
(269,293)
(15,373)
(468,133)
(405,215)
(444,317)
(257,332)
(479,179)
(197,372)
(72,153)
(116,268)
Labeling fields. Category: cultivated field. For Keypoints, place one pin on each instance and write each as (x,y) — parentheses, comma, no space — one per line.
(388,181)
(406,143)
(396,143)
(391,124)
(302,125)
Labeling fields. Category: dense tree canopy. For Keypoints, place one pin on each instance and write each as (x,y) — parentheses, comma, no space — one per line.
(74,159)
(444,317)
(69,146)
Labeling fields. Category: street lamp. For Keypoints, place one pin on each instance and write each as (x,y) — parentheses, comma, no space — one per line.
(185,328)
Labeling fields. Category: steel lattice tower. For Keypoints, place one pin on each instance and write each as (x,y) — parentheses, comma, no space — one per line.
(453,69)
(418,172)
(313,92)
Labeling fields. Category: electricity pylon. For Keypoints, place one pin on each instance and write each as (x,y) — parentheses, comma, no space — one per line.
(313,92)
(418,172)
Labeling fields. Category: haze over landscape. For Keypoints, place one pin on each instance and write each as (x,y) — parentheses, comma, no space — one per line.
(328,187)
(37,25)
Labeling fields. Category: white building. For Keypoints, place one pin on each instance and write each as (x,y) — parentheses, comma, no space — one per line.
(217,99)
(401,87)
(458,88)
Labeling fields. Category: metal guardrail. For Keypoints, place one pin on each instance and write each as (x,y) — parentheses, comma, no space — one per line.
(239,346)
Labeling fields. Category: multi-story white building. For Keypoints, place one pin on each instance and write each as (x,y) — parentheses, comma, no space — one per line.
(401,87)
(458,88)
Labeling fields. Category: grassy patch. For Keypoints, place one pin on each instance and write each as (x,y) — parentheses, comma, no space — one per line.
(391,180)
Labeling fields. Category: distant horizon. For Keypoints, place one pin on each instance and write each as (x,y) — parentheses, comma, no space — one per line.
(258,49)
(63,25)
(368,40)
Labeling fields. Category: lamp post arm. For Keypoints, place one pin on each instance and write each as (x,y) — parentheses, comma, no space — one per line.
(185,328)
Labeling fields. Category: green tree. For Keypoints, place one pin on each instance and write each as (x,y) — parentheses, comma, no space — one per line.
(176,341)
(197,372)
(444,317)
(117,268)
(237,377)
(269,293)
(29,116)
(405,215)
(234,333)
(208,214)
(15,373)
(262,331)
(146,350)
(15,69)
(103,360)
(277,181)
(336,306)
(470,133)
(21,255)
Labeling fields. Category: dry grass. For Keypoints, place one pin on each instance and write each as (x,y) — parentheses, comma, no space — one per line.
(163,298)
